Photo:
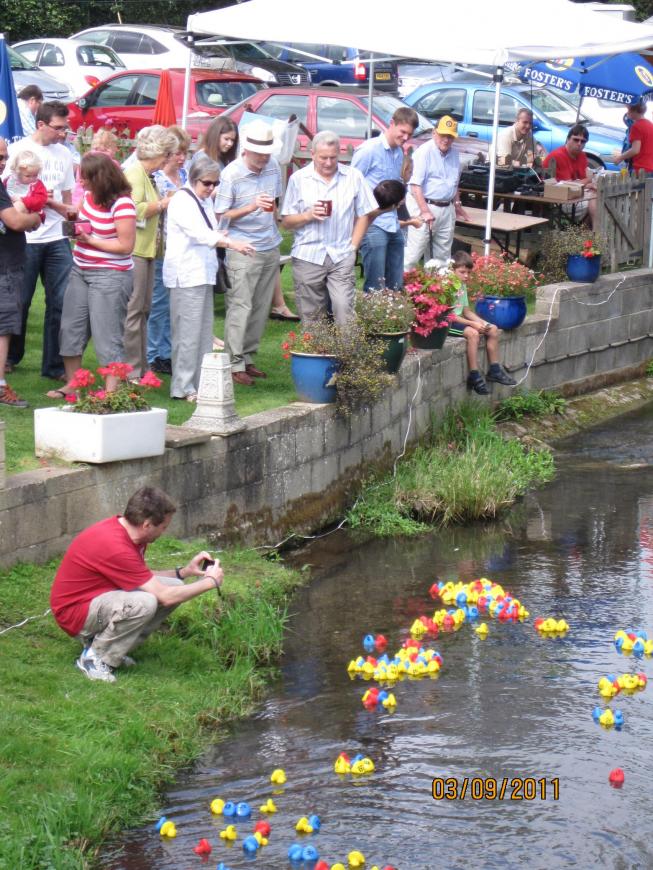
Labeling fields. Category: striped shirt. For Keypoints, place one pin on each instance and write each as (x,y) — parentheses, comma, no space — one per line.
(239,186)
(436,173)
(351,198)
(103,225)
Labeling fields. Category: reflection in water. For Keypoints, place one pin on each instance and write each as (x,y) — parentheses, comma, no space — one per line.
(514,705)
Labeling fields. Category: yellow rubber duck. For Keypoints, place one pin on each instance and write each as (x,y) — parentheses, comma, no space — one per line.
(268,807)
(278,776)
(607,718)
(262,841)
(338,867)
(356,859)
(217,805)
(342,765)
(364,765)
(229,833)
(482,630)
(390,702)
(303,826)
(169,830)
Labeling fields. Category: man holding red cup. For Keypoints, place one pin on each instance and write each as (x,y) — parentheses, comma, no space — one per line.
(326,206)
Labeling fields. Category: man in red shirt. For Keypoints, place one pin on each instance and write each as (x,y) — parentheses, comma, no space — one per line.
(571,164)
(640,136)
(105,595)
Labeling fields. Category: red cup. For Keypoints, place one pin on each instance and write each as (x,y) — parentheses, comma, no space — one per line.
(327,205)
(269,207)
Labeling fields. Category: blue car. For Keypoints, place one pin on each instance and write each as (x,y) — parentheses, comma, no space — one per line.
(471,103)
(335,65)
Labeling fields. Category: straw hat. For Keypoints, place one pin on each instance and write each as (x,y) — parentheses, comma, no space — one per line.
(258,137)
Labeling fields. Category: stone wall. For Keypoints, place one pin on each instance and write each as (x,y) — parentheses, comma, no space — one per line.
(294,469)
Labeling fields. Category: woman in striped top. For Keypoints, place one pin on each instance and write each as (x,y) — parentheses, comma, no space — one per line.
(101,281)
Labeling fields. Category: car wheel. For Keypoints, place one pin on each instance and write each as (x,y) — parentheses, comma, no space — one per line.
(594,163)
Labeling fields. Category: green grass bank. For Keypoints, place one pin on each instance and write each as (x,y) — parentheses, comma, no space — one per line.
(80,759)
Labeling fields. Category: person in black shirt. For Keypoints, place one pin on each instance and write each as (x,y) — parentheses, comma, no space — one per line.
(13,225)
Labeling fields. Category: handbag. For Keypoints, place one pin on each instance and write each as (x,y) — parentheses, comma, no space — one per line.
(222,282)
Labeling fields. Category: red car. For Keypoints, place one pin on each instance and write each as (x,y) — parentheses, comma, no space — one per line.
(127,100)
(343,111)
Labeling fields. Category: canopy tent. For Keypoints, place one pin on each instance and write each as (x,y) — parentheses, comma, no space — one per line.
(463,31)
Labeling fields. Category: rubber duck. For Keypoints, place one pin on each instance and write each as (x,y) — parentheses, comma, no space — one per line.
(229,833)
(168,830)
(356,859)
(303,826)
(243,810)
(309,854)
(262,827)
(321,865)
(250,845)
(390,702)
(616,777)
(618,719)
(482,630)
(364,765)
(222,866)
(278,776)
(268,807)
(160,823)
(338,867)
(262,841)
(203,847)
(217,805)
(368,643)
(229,809)
(315,822)
(607,718)
(295,852)
(343,764)
(380,643)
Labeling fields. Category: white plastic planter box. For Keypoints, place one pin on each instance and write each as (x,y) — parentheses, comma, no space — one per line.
(62,433)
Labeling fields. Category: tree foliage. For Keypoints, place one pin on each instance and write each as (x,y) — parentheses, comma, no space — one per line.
(28,19)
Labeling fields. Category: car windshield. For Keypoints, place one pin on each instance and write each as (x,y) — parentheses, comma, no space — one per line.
(216,94)
(247,51)
(554,107)
(18,62)
(98,55)
(385,107)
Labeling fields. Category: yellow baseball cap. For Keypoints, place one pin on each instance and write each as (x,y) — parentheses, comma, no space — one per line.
(447,126)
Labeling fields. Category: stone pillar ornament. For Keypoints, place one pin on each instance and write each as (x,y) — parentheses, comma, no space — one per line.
(215,411)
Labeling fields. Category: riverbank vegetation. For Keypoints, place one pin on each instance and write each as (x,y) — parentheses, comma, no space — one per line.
(81,759)
(467,471)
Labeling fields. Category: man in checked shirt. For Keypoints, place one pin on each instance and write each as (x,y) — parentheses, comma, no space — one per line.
(326,206)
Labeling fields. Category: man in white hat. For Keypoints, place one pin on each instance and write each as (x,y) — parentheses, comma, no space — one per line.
(434,197)
(249,188)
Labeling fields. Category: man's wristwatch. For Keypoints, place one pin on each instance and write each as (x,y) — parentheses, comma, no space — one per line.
(178,573)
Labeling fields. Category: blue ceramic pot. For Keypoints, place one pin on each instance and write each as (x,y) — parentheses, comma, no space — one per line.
(583,269)
(313,376)
(506,312)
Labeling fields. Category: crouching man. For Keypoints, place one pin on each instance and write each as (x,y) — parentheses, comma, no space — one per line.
(105,595)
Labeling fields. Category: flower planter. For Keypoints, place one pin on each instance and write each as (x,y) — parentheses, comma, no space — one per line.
(506,312)
(313,376)
(583,269)
(62,433)
(433,341)
(396,347)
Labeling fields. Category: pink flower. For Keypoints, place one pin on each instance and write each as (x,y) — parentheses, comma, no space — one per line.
(71,398)
(149,379)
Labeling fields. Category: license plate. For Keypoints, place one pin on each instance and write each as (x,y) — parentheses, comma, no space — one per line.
(382,77)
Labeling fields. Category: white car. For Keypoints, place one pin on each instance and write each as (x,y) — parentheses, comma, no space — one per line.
(139,46)
(80,65)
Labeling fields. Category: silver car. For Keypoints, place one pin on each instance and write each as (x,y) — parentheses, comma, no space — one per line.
(25,73)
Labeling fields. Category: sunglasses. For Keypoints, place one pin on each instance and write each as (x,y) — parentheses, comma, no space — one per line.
(208,183)
(578,139)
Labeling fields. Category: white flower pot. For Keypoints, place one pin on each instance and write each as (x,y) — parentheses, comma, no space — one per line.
(62,433)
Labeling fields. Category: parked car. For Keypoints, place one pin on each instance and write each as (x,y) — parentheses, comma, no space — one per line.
(471,103)
(26,73)
(335,65)
(127,100)
(142,47)
(75,63)
(343,111)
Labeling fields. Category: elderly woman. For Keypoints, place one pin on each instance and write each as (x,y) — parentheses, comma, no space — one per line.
(100,283)
(189,270)
(168,181)
(154,147)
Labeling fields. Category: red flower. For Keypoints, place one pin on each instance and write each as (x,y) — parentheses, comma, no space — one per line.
(82,379)
(116,370)
(149,379)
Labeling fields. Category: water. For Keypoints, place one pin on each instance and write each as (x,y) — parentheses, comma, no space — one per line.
(512,706)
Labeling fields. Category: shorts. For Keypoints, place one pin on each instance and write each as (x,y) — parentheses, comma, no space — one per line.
(11,306)
(456,329)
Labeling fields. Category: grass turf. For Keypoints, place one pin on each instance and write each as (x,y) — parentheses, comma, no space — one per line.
(79,759)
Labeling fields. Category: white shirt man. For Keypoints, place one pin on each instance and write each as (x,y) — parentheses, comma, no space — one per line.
(434,196)
(29,101)
(326,206)
(48,252)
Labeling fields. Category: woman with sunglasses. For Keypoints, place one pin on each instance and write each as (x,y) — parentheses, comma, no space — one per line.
(189,271)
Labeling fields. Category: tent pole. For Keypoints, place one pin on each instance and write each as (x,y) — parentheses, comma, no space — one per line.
(497,78)
(184,111)
(370,90)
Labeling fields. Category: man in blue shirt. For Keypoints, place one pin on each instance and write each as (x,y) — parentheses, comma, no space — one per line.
(434,196)
(379,159)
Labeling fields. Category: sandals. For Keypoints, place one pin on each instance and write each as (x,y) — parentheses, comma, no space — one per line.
(60,394)
(283,313)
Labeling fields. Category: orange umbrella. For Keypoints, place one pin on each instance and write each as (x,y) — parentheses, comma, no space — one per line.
(164,111)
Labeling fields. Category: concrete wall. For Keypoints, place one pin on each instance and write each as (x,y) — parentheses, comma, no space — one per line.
(297,467)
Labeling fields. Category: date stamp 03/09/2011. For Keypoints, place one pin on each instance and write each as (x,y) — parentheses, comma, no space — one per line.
(480,788)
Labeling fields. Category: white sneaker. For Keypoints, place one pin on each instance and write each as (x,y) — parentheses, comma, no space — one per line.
(128,662)
(94,668)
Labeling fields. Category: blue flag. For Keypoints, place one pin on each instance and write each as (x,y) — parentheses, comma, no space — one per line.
(10,124)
